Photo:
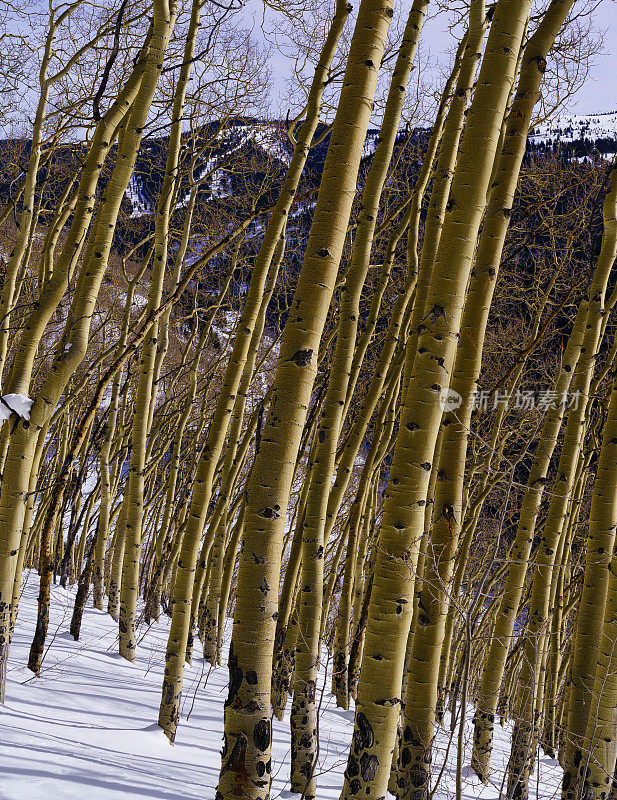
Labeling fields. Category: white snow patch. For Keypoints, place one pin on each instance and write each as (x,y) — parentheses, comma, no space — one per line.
(17,403)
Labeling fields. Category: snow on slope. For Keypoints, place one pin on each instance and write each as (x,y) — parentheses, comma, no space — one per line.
(265,136)
(574,127)
(87,727)
(370,143)
(135,194)
(270,138)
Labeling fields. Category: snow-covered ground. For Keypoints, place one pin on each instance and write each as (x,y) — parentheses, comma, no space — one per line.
(87,727)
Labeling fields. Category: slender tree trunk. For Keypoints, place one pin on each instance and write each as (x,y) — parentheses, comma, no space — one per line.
(402,526)
(183,585)
(246,752)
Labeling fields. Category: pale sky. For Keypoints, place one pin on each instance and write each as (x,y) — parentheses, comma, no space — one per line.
(600,90)
(597,95)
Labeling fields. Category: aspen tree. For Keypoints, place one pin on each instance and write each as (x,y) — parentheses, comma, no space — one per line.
(358,521)
(292,571)
(588,627)
(102,535)
(470,58)
(359,516)
(441,129)
(579,360)
(228,569)
(136,95)
(387,365)
(27,216)
(467,58)
(391,382)
(555,530)
(53,519)
(183,586)
(471,513)
(597,755)
(365,555)
(229,473)
(359,617)
(134,492)
(403,513)
(112,125)
(26,534)
(246,765)
(82,593)
(418,584)
(103,527)
(155,590)
(556,607)
(303,714)
(426,646)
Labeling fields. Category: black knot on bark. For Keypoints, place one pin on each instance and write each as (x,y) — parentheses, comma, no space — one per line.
(268,513)
(302,358)
(389,702)
(368,767)
(261,734)
(541,64)
(365,737)
(437,312)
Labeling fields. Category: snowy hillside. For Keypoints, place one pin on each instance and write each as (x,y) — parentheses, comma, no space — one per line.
(265,140)
(573,127)
(577,136)
(87,726)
